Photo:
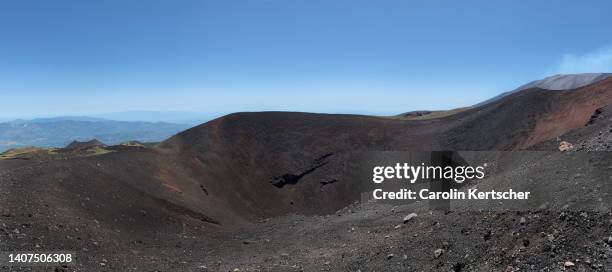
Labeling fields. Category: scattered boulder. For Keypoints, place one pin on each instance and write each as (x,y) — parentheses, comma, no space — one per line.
(565,146)
(409,217)
(438,252)
(526,242)
(458,267)
(569,264)
(445,244)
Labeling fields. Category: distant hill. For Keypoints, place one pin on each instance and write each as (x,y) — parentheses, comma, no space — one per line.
(556,82)
(60,131)
(84,145)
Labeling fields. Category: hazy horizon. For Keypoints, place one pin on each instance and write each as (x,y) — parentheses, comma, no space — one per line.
(195,117)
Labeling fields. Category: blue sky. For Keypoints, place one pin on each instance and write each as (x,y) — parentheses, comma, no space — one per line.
(375,57)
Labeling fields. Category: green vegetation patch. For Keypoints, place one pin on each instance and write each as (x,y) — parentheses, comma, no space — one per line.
(19,152)
(433,114)
(97,150)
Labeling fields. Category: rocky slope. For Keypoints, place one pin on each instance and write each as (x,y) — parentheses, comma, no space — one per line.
(260,191)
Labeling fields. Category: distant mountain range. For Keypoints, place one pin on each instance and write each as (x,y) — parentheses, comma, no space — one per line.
(177,117)
(60,131)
